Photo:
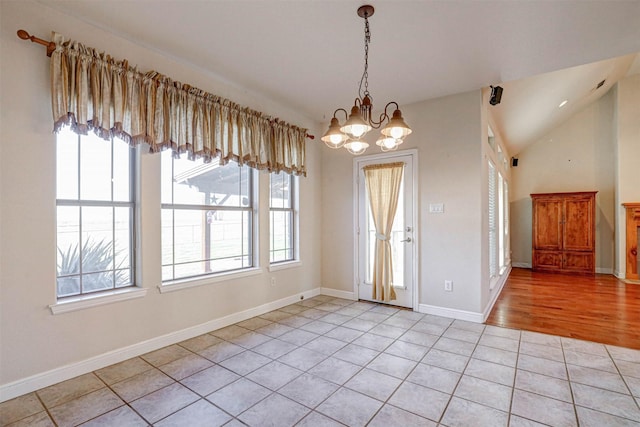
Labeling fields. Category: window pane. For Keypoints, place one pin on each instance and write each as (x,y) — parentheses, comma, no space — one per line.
(228,232)
(281,236)
(97,281)
(166,177)
(68,239)
(97,239)
(95,168)
(68,286)
(280,190)
(167,273)
(66,165)
(123,252)
(188,234)
(167,236)
(121,170)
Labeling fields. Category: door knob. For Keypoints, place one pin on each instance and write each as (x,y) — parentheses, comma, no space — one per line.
(408,239)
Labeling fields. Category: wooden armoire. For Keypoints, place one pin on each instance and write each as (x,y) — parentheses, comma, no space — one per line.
(564,232)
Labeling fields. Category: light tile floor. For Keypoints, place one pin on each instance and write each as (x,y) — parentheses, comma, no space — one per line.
(332,362)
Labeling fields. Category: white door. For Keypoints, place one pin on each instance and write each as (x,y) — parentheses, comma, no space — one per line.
(403,245)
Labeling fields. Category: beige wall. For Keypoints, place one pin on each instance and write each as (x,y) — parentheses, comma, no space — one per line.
(627,105)
(447,134)
(576,156)
(32,340)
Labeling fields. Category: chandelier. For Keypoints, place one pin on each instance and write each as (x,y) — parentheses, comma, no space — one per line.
(350,134)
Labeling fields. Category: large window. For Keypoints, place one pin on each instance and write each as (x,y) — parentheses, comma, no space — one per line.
(493,222)
(95,214)
(207,217)
(282,218)
(499,249)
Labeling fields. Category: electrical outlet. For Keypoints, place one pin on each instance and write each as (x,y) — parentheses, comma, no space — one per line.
(448,285)
(273,281)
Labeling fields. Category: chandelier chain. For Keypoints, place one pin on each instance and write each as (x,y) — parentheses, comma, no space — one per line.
(365,74)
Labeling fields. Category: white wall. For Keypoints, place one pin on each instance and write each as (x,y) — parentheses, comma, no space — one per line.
(32,340)
(447,134)
(627,183)
(575,156)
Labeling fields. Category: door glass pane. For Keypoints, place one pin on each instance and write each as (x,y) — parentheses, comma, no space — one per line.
(398,247)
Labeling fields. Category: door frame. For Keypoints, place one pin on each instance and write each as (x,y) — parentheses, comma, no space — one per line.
(357,161)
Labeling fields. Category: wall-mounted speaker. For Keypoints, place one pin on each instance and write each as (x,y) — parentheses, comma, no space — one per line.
(514,162)
(496,95)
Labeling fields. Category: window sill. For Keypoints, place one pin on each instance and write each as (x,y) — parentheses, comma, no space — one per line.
(86,301)
(177,285)
(284,265)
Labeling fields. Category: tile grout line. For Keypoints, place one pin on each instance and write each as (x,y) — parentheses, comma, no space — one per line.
(515,376)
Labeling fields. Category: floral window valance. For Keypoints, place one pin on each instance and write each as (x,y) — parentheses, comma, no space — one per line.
(91,91)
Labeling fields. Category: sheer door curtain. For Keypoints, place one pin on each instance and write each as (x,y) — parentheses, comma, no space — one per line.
(383,188)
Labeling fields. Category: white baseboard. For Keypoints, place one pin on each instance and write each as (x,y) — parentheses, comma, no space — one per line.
(453,313)
(521,264)
(496,293)
(604,270)
(338,294)
(45,379)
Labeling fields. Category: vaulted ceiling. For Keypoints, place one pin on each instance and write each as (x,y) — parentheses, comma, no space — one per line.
(308,54)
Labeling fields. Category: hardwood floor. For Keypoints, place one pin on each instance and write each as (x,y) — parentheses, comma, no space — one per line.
(597,308)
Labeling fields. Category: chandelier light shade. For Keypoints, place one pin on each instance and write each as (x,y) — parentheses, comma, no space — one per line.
(350,134)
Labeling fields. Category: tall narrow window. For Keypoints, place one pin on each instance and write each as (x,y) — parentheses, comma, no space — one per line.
(207,217)
(282,218)
(493,223)
(507,243)
(501,223)
(95,214)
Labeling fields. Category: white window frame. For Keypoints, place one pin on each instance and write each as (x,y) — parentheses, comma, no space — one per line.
(293,214)
(493,221)
(222,275)
(498,211)
(78,301)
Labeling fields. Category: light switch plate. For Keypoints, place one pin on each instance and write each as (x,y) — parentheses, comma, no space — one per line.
(436,207)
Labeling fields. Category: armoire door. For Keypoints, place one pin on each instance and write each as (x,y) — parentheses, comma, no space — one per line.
(578,224)
(547,218)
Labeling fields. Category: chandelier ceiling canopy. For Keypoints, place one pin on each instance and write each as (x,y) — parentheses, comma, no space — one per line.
(360,121)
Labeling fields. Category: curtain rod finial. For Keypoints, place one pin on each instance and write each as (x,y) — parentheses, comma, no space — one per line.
(51,46)
(24,35)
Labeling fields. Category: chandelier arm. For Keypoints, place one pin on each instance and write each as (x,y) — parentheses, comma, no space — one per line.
(383,116)
(346,115)
(387,106)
